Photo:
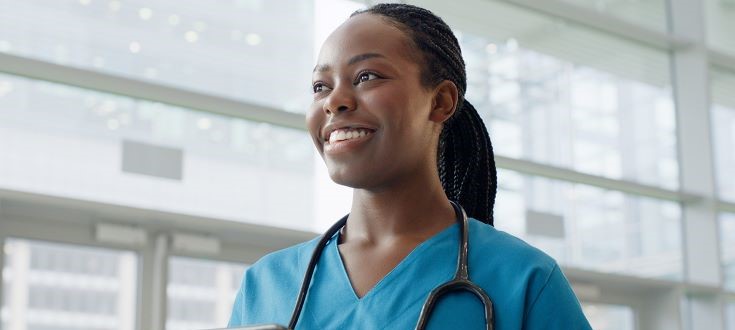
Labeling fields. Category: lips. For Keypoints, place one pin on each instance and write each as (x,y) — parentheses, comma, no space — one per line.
(329,128)
(346,146)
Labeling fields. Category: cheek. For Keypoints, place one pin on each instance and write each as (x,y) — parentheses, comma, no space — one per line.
(404,112)
(391,105)
(314,120)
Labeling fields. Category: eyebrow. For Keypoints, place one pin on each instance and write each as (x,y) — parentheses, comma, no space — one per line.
(353,60)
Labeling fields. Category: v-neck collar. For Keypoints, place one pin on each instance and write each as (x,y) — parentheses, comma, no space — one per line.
(389,277)
(332,302)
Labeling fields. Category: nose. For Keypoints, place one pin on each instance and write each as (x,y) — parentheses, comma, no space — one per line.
(340,99)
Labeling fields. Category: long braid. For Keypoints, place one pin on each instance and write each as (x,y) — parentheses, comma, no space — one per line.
(465,156)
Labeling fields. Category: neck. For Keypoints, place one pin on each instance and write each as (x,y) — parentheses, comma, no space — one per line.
(411,209)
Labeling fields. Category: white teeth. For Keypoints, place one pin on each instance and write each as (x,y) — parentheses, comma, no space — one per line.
(346,134)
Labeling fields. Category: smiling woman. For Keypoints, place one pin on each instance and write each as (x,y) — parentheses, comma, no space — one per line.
(390,121)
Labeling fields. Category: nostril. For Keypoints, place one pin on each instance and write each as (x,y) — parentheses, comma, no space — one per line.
(342,108)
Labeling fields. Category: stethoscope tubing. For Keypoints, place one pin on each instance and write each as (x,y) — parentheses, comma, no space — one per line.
(310,269)
(460,281)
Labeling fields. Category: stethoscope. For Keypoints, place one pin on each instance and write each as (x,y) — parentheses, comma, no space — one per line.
(460,281)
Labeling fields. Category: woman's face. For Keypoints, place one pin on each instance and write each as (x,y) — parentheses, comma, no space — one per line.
(367,79)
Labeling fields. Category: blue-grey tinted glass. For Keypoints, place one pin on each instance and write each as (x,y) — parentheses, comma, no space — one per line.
(560,99)
(232,168)
(61,286)
(723,130)
(604,230)
(609,316)
(201,292)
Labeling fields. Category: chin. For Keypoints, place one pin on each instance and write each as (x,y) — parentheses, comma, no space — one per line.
(351,178)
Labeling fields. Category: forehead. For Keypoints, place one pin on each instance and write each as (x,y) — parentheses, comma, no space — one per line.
(366,33)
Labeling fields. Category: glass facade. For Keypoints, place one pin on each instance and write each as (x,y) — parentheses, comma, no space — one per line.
(723,130)
(648,13)
(201,292)
(727,243)
(720,20)
(564,107)
(231,168)
(59,287)
(592,228)
(610,317)
(244,49)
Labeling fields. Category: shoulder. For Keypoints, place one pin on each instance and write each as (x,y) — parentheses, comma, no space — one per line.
(278,273)
(524,282)
(270,284)
(287,260)
(501,260)
(499,246)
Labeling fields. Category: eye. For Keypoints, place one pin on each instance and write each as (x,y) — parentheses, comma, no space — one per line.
(319,87)
(365,76)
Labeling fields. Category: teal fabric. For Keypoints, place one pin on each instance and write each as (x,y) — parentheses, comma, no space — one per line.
(527,288)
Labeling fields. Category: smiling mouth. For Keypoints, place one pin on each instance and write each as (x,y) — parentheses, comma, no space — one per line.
(346,141)
(346,134)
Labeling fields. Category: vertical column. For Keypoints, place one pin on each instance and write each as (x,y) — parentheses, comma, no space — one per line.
(660,311)
(691,94)
(160,280)
(3,249)
(223,287)
(127,267)
(20,270)
(154,277)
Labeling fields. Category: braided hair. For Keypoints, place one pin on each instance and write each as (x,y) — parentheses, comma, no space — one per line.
(465,154)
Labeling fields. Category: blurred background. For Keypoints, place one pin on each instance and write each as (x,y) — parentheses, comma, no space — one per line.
(151,150)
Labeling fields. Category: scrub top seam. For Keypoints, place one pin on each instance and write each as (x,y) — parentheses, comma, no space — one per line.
(546,283)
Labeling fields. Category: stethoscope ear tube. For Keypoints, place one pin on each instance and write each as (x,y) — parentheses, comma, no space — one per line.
(310,269)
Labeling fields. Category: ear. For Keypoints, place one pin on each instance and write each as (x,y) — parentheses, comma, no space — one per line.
(444,102)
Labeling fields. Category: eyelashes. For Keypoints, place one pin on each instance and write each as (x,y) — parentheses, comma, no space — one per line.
(318,87)
(363,76)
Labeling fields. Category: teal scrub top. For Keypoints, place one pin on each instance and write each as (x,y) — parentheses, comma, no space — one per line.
(527,287)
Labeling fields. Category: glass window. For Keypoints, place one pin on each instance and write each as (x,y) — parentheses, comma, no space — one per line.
(723,130)
(592,228)
(62,286)
(230,168)
(730,315)
(201,292)
(647,13)
(609,317)
(727,241)
(252,50)
(720,20)
(557,96)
